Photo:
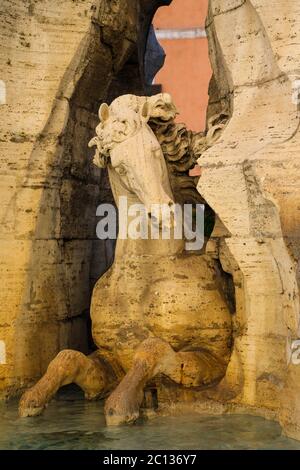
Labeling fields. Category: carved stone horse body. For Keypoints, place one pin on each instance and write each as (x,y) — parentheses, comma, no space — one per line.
(158,310)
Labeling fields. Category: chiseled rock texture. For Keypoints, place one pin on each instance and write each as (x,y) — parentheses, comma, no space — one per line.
(251,180)
(57,61)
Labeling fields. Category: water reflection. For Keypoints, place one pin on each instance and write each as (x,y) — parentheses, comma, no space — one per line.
(72,423)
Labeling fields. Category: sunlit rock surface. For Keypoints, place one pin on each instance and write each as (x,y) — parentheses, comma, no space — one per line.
(57,62)
(250,179)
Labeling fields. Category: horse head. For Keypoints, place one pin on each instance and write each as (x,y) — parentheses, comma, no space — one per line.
(127,145)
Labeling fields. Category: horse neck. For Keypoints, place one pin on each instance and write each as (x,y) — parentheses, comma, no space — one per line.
(128,247)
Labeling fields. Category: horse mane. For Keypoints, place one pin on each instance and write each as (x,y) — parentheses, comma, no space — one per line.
(182,148)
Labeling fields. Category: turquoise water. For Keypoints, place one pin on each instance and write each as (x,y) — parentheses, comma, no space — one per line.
(72,423)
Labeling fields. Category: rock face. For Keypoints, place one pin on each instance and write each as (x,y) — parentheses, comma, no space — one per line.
(250,179)
(58,60)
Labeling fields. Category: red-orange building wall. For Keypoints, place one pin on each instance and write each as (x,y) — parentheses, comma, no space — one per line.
(187,70)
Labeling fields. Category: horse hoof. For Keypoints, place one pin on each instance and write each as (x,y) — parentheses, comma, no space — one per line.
(121,408)
(30,405)
(114,419)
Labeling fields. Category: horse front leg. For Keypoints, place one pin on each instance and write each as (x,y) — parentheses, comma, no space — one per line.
(88,372)
(154,356)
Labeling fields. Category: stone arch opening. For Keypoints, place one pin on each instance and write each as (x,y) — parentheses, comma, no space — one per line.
(180,29)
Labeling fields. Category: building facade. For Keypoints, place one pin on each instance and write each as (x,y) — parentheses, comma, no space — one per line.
(180,29)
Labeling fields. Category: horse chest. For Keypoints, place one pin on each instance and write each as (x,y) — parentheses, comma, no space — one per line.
(175,299)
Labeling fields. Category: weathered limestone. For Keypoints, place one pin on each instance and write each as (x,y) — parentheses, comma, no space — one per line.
(250,179)
(57,61)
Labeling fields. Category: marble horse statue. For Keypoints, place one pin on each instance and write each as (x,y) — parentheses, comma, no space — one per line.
(159,310)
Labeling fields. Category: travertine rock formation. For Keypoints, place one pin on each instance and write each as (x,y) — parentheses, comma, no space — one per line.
(58,59)
(250,178)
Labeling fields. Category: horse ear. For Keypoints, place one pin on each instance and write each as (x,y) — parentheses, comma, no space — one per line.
(145,112)
(167,98)
(104,112)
